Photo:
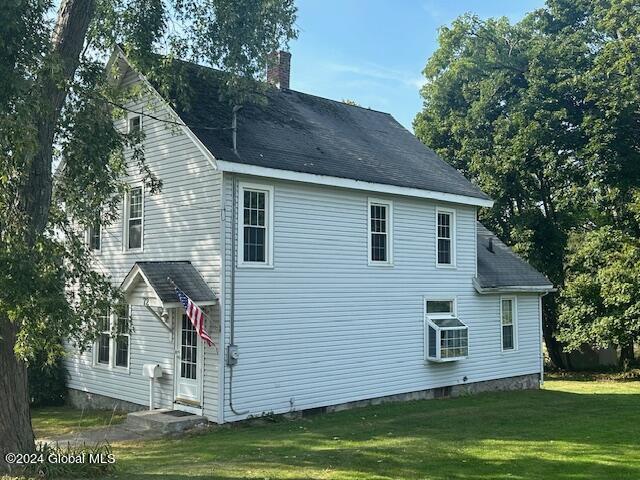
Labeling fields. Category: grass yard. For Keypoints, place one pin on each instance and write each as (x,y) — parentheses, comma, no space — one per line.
(573,429)
(62,420)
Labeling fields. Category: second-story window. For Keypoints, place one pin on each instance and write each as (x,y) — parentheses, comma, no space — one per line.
(134,209)
(255,233)
(93,236)
(379,232)
(445,237)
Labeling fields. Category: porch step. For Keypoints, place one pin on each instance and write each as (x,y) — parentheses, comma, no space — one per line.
(164,420)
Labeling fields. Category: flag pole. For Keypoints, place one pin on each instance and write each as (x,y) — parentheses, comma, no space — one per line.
(203,314)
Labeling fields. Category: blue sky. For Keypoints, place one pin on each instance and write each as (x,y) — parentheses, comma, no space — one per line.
(373,51)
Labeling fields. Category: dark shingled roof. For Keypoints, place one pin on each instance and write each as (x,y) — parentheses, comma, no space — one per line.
(502,267)
(303,133)
(183,274)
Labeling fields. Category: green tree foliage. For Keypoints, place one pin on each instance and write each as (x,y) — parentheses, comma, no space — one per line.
(540,114)
(601,298)
(58,102)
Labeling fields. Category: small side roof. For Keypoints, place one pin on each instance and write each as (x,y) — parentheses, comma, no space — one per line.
(501,270)
(156,275)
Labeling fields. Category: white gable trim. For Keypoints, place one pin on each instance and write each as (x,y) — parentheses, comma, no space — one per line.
(133,277)
(118,53)
(234,167)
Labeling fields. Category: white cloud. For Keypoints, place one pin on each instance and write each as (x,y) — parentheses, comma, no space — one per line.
(378,72)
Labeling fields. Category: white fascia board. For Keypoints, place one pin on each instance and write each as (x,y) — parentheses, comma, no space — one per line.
(242,168)
(513,289)
(176,118)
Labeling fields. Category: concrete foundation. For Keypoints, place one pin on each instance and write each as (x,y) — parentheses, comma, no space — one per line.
(522,382)
(87,400)
(93,401)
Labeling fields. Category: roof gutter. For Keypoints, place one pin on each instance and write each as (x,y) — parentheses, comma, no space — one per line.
(513,288)
(258,171)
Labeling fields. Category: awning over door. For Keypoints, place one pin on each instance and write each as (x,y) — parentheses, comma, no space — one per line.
(147,284)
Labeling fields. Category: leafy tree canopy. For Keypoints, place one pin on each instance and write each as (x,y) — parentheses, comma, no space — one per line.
(541,114)
(601,298)
(58,102)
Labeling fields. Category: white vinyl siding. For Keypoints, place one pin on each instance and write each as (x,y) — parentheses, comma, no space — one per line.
(319,328)
(181,222)
(380,239)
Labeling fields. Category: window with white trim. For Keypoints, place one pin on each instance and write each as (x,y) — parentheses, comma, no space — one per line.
(112,347)
(256,231)
(133,222)
(508,323)
(135,123)
(445,237)
(380,231)
(446,337)
(94,239)
(103,344)
(121,341)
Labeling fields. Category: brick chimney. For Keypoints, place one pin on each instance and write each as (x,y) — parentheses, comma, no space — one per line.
(278,69)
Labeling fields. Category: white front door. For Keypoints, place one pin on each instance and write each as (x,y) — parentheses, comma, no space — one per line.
(188,363)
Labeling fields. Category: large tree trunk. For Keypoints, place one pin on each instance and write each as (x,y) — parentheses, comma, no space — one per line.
(549,327)
(68,39)
(53,81)
(627,355)
(16,434)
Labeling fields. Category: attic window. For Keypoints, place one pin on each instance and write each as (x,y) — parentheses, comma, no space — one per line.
(135,124)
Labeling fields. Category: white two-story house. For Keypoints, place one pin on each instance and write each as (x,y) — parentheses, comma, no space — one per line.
(338,260)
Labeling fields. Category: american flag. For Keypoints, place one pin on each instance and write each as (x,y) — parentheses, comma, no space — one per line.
(195,315)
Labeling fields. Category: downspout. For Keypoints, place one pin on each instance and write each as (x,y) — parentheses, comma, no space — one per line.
(232,349)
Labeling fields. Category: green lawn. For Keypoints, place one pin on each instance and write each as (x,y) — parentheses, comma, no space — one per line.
(62,420)
(573,429)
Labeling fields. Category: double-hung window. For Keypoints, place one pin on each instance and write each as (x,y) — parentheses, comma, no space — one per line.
(121,341)
(380,231)
(93,236)
(445,237)
(103,344)
(113,342)
(508,321)
(133,221)
(255,222)
(446,337)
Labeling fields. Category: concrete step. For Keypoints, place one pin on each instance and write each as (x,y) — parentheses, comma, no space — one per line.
(164,420)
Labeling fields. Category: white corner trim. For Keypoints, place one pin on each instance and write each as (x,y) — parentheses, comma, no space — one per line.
(176,118)
(242,168)
(513,288)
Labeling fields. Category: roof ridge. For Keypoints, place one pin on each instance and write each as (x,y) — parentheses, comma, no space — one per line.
(277,90)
